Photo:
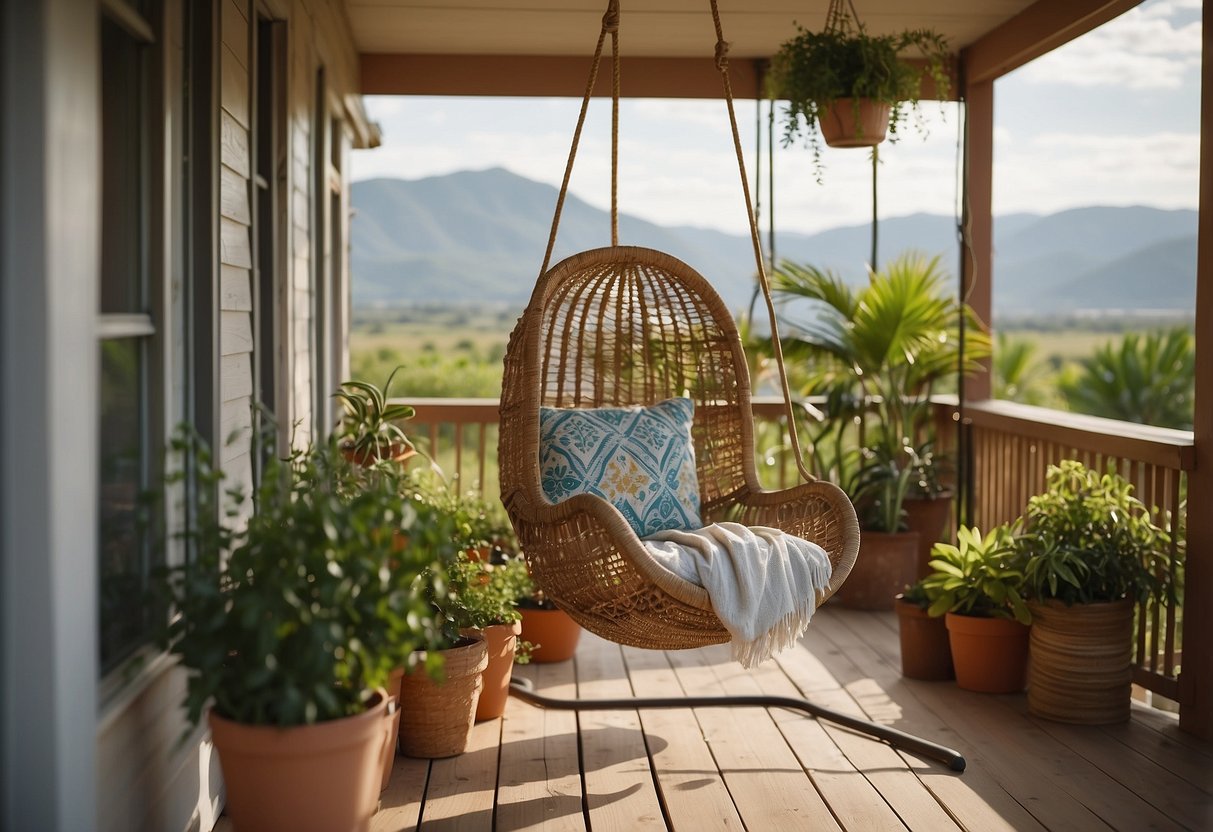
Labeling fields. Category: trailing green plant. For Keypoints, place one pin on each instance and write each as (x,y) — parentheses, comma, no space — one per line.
(1089,539)
(813,70)
(295,614)
(369,426)
(981,576)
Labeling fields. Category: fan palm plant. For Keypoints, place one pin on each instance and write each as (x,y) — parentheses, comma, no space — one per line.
(1149,379)
(1019,376)
(885,345)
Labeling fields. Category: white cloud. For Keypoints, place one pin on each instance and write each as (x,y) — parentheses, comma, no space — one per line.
(1143,49)
(1054,171)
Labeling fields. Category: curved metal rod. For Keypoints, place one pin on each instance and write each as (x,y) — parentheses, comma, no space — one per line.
(525,690)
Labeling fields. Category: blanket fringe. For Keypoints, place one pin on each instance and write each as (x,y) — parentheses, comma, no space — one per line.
(786,632)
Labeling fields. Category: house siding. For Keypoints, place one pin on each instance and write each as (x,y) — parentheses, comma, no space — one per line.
(146,776)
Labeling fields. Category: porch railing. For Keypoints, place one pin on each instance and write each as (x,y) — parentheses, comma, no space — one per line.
(1012,445)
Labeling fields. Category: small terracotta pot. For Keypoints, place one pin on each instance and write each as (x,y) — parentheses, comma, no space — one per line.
(929,517)
(436,717)
(1082,661)
(389,750)
(925,651)
(311,778)
(842,127)
(884,567)
(553,632)
(502,642)
(990,654)
(368,457)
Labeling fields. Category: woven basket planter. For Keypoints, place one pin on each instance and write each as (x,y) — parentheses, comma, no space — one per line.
(436,717)
(1081,668)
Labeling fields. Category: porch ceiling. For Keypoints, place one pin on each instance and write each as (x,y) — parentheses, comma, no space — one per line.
(650,28)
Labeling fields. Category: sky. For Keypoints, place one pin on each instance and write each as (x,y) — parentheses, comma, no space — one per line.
(1109,119)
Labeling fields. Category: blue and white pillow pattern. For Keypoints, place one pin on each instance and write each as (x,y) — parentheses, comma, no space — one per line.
(640,459)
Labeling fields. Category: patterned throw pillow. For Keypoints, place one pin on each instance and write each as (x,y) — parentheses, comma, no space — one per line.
(640,459)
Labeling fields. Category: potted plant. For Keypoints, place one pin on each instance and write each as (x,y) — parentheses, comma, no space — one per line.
(925,651)
(877,353)
(976,586)
(1091,552)
(552,632)
(369,428)
(928,503)
(850,85)
(288,623)
(441,687)
(484,599)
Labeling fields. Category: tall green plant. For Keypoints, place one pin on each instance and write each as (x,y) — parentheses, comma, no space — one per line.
(882,347)
(1149,379)
(297,613)
(1019,375)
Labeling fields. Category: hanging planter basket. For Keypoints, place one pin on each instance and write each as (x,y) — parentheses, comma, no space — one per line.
(854,122)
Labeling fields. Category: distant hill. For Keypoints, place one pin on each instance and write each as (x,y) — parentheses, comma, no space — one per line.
(480,235)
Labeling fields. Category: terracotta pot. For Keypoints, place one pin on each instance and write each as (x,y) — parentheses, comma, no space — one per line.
(436,717)
(925,651)
(502,642)
(553,632)
(884,567)
(368,457)
(990,654)
(841,127)
(311,778)
(389,750)
(929,517)
(1082,661)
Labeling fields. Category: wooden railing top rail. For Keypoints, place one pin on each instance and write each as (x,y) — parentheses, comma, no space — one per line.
(1158,446)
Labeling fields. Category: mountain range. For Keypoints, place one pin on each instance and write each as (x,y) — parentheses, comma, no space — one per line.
(480,236)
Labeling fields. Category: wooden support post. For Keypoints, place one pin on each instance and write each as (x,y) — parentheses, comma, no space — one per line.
(978,218)
(1196,675)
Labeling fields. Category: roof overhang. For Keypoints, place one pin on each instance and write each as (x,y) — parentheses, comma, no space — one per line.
(541,47)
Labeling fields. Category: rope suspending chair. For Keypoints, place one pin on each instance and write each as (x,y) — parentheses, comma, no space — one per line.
(625,325)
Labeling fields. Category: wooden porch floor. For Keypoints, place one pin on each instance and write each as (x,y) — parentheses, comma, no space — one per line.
(750,768)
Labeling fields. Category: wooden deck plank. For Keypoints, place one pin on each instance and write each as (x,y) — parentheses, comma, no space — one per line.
(691,788)
(400,803)
(854,801)
(462,790)
(976,800)
(1164,747)
(1022,745)
(619,786)
(768,785)
(539,785)
(887,771)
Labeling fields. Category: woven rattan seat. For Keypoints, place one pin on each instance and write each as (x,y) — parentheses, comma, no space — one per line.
(624,326)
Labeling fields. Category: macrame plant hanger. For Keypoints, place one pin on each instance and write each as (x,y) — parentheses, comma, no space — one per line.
(513,446)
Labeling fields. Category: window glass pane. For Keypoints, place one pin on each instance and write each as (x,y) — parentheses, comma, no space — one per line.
(122,472)
(122,146)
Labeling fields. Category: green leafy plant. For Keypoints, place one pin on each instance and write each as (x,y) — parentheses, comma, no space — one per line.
(877,353)
(1149,379)
(1089,539)
(484,593)
(981,576)
(813,70)
(917,595)
(369,428)
(295,614)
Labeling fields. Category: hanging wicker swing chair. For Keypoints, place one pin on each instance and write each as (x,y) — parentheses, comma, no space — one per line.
(622,326)
(625,325)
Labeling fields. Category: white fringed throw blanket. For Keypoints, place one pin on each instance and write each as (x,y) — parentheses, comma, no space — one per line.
(764,584)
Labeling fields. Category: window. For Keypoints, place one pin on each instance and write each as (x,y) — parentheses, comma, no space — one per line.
(127,331)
